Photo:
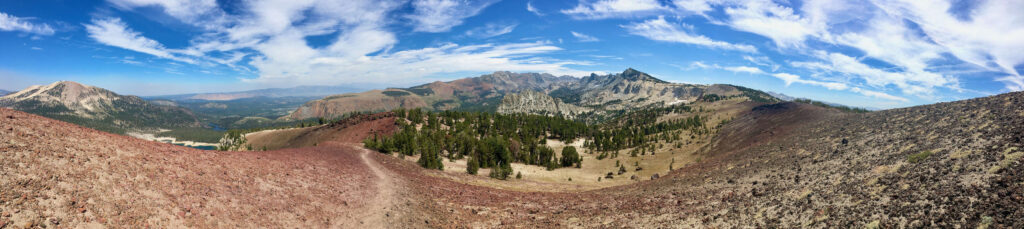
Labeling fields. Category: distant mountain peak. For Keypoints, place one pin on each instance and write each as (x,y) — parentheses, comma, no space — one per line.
(63,91)
(67,99)
(634,75)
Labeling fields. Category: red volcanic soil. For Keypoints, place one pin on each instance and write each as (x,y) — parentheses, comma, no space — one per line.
(58,174)
(349,130)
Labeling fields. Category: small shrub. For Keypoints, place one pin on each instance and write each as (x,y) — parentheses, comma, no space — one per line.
(918,157)
(519,175)
(472,166)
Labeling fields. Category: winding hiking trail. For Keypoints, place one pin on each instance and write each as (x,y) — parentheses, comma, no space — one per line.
(382,205)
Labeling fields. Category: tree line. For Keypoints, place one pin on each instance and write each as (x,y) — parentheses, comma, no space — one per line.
(489,140)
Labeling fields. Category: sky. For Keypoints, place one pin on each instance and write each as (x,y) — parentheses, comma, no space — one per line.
(867,53)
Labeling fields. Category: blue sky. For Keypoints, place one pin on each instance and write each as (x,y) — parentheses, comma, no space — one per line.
(879,54)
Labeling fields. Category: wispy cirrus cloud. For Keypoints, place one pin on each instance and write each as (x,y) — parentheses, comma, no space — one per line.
(12,23)
(734,69)
(441,15)
(583,37)
(790,79)
(661,30)
(492,30)
(534,10)
(114,32)
(909,82)
(601,9)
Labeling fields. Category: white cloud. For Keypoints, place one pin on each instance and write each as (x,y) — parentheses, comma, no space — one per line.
(744,69)
(660,30)
(771,20)
(492,30)
(919,83)
(441,15)
(270,36)
(877,94)
(534,10)
(12,23)
(694,6)
(790,79)
(701,65)
(191,11)
(113,32)
(601,9)
(583,37)
(734,69)
(991,37)
(1013,83)
(417,63)
(911,35)
(762,61)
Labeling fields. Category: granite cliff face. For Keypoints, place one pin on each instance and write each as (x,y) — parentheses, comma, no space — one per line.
(535,102)
(632,88)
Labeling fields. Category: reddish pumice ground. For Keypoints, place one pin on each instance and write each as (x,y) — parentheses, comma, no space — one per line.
(59,174)
(784,165)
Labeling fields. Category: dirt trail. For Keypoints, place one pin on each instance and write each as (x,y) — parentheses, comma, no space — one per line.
(382,206)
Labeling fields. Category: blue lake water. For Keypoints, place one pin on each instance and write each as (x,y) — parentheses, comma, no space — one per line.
(216,127)
(200,147)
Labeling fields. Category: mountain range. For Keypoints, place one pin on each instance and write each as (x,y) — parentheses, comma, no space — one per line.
(98,108)
(591,97)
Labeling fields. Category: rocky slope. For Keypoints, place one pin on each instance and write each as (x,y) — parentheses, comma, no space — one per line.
(97,108)
(949,165)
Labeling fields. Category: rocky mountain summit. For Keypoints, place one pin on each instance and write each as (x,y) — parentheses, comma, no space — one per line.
(97,107)
(631,89)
